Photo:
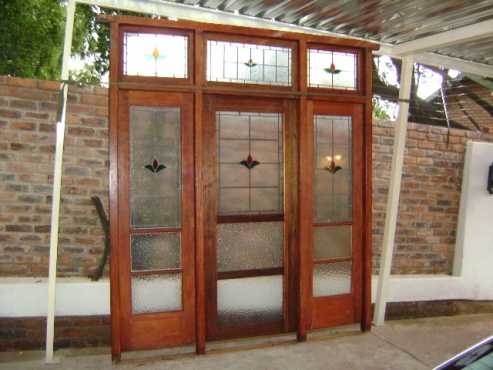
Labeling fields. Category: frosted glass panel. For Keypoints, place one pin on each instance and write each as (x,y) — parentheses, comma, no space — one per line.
(332,69)
(332,242)
(155,161)
(250,162)
(331,279)
(156,55)
(332,183)
(245,246)
(248,63)
(246,301)
(156,293)
(155,252)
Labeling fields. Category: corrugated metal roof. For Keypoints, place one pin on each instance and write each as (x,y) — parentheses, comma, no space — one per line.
(389,21)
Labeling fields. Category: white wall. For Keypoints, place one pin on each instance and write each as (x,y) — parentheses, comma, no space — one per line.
(473,265)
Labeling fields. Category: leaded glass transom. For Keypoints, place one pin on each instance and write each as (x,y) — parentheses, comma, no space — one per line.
(155,55)
(248,63)
(332,69)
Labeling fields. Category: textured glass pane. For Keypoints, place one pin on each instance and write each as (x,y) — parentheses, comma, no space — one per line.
(250,162)
(156,55)
(246,246)
(332,242)
(248,63)
(246,301)
(155,160)
(156,293)
(332,183)
(331,279)
(332,69)
(155,252)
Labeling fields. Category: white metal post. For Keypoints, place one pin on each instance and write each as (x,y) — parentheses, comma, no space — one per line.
(57,181)
(394,190)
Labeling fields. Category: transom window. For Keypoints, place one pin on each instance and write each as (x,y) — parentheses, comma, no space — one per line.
(155,55)
(248,63)
(331,69)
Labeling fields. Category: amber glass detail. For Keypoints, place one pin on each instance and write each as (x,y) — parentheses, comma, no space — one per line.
(333,70)
(249,162)
(155,167)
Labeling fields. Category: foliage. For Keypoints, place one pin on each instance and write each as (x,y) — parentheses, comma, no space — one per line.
(379,110)
(31,39)
(31,35)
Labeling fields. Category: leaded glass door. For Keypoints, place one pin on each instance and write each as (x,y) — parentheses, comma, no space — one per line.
(156,236)
(248,238)
(335,201)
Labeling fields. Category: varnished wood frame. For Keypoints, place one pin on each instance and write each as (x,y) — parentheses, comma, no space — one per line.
(214,103)
(144,330)
(199,88)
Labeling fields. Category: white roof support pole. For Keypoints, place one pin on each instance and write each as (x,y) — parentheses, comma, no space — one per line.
(394,190)
(57,182)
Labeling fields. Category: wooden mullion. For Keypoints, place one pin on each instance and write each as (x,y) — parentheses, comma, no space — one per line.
(155,230)
(250,273)
(329,224)
(228,219)
(115,301)
(156,272)
(332,260)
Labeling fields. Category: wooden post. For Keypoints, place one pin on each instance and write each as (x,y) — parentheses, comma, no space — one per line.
(394,190)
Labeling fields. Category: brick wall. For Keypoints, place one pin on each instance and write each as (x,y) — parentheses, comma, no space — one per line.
(430,195)
(27,137)
(427,215)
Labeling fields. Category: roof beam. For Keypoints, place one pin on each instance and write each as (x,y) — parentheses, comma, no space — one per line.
(444,39)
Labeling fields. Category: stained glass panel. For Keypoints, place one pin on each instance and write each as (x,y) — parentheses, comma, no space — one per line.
(248,63)
(250,162)
(332,183)
(155,167)
(332,69)
(156,55)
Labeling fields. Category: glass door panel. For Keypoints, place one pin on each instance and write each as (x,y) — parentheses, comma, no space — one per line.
(336,219)
(156,243)
(246,289)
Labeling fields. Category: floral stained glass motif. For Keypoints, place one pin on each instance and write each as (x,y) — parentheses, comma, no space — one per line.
(332,69)
(155,55)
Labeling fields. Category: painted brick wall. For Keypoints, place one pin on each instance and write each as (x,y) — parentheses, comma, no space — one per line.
(428,207)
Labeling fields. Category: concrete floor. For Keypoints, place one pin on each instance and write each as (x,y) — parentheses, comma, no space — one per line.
(399,345)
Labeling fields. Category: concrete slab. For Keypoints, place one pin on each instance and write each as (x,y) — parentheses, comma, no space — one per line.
(400,345)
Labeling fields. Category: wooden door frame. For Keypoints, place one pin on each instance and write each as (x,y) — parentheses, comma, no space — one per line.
(197,84)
